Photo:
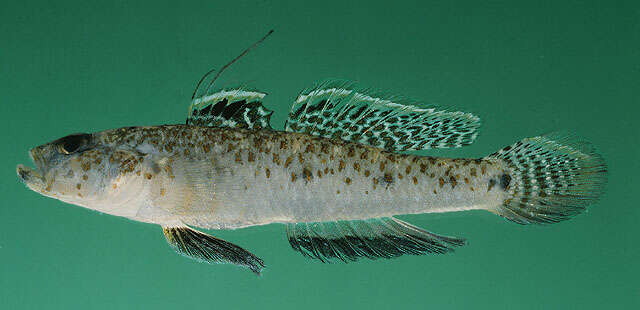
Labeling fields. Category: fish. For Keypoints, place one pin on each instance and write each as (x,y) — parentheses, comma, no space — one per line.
(337,176)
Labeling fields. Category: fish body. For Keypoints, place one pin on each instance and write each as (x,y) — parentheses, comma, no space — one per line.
(230,178)
(336,176)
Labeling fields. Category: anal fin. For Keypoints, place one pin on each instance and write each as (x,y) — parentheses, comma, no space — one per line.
(375,238)
(206,248)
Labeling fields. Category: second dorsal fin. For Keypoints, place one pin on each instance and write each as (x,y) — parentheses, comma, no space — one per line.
(230,108)
(340,111)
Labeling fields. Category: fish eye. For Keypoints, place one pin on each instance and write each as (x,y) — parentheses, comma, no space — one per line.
(72,143)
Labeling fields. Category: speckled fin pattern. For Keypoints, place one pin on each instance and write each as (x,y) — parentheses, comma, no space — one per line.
(376,238)
(554,177)
(209,249)
(338,110)
(236,108)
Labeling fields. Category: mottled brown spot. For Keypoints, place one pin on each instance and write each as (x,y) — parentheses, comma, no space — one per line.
(347,180)
(375,181)
(351,152)
(367,173)
(187,152)
(86,166)
(283,144)
(473,172)
(434,191)
(423,168)
(205,148)
(162,191)
(307,174)
(453,181)
(238,157)
(492,183)
(287,162)
(251,157)
(332,172)
(382,164)
(148,176)
(293,177)
(441,180)
(483,169)
(310,148)
(466,180)
(338,192)
(324,148)
(78,186)
(85,177)
(267,172)
(276,159)
(388,178)
(326,170)
(300,158)
(340,165)
(319,173)
(356,166)
(407,171)
(400,176)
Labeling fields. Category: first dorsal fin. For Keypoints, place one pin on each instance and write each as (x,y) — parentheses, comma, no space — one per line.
(340,111)
(206,248)
(236,108)
(376,238)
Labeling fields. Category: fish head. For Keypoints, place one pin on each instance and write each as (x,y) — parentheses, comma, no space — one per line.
(81,169)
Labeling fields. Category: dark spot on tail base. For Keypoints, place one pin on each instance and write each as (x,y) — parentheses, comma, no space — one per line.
(505,180)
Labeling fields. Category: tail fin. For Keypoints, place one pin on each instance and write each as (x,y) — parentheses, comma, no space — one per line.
(555,177)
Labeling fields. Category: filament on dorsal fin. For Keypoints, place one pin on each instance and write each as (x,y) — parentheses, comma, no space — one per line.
(201,91)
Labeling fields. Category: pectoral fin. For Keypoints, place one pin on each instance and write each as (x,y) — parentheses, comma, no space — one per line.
(209,249)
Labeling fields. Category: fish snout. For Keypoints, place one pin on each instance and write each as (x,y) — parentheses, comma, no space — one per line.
(30,177)
(23,172)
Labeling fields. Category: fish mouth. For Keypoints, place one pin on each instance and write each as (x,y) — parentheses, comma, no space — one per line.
(32,177)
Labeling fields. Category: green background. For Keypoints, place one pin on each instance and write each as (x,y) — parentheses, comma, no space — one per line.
(525,69)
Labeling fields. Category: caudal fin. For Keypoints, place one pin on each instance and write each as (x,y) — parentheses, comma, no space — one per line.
(555,177)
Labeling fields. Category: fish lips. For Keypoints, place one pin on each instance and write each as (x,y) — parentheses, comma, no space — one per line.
(33,178)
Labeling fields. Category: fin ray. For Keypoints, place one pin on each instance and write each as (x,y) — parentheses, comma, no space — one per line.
(237,108)
(551,179)
(348,241)
(339,110)
(206,248)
